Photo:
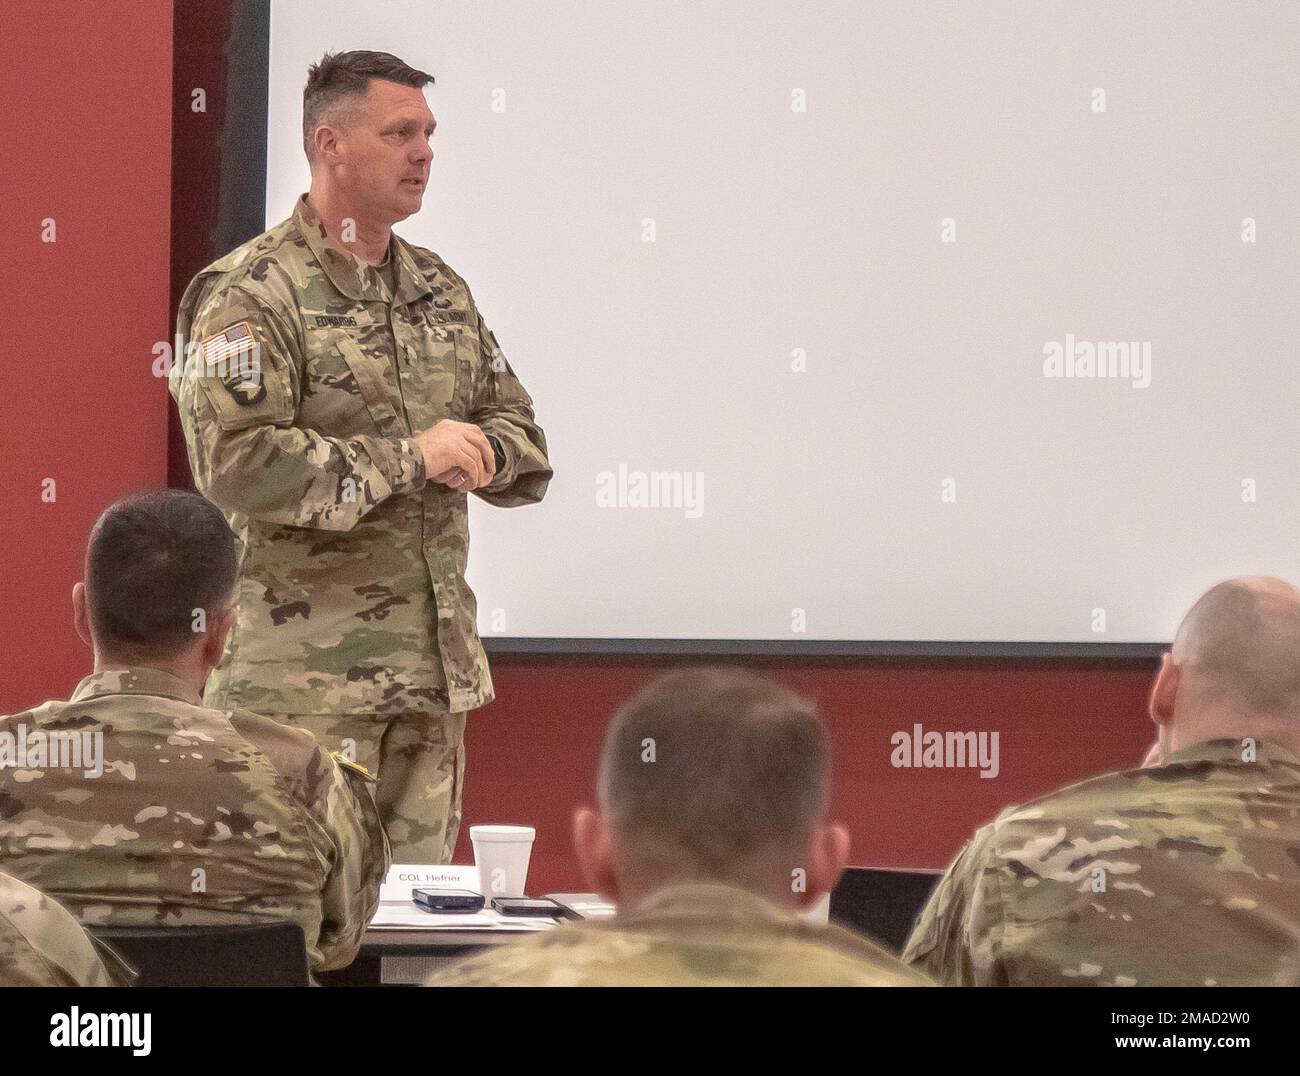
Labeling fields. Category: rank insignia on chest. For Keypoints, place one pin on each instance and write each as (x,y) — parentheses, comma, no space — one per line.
(353,767)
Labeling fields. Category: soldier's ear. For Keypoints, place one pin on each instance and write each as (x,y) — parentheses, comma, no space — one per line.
(593,844)
(827,857)
(214,642)
(325,141)
(1164,692)
(80,617)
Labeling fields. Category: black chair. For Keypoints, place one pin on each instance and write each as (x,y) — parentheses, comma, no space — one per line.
(882,904)
(255,954)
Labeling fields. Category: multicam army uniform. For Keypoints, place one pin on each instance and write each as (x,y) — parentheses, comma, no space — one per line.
(41,944)
(199,818)
(355,619)
(686,935)
(1187,873)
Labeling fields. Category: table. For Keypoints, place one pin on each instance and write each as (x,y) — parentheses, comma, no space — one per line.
(406,955)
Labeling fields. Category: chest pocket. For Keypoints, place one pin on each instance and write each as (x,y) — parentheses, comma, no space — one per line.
(349,386)
(437,371)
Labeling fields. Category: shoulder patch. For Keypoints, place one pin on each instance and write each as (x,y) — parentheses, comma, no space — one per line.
(233,340)
(354,767)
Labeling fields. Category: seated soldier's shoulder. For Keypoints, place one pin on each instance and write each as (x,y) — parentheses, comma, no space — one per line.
(559,956)
(294,753)
(1135,805)
(25,717)
(849,959)
(42,944)
(1080,801)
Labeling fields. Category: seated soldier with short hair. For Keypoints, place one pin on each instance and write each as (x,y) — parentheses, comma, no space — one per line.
(712,830)
(134,805)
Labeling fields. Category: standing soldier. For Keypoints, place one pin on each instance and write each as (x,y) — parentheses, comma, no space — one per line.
(341,396)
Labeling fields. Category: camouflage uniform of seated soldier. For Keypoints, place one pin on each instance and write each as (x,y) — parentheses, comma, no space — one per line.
(41,944)
(176,814)
(1182,872)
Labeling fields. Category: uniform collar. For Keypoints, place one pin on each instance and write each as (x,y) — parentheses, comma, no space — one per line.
(710,901)
(135,680)
(348,273)
(1230,751)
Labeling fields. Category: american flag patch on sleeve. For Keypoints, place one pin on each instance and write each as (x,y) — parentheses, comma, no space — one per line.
(231,341)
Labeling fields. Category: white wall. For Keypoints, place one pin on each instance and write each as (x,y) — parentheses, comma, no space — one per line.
(779,230)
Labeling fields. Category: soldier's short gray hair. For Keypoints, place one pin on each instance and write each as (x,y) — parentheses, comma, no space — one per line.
(1242,638)
(341,75)
(714,773)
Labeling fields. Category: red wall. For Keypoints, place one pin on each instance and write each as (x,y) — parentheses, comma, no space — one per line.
(86,133)
(532,753)
(86,130)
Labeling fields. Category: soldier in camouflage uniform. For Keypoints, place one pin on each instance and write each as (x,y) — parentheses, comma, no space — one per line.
(711,832)
(687,935)
(1183,872)
(41,944)
(344,465)
(164,812)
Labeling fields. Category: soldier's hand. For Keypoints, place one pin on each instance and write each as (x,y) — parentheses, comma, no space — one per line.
(458,455)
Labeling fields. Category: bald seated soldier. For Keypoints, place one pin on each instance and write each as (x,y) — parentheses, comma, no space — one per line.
(1182,873)
(710,834)
(41,944)
(133,804)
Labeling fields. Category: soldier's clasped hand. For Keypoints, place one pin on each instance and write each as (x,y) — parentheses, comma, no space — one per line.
(457,455)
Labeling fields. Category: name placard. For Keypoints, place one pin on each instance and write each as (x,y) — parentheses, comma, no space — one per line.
(402,878)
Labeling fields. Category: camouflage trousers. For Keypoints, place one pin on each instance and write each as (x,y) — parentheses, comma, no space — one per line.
(419,759)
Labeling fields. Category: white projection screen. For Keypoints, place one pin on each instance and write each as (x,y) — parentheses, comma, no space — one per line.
(864,324)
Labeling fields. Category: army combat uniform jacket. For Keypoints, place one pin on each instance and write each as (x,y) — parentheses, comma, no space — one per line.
(352,595)
(198,817)
(1183,874)
(41,944)
(687,935)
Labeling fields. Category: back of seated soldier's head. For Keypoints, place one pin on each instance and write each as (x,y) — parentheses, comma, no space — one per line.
(159,579)
(713,775)
(1234,668)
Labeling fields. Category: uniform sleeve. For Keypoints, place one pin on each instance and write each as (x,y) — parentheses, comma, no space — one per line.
(504,409)
(42,944)
(359,861)
(238,407)
(955,935)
